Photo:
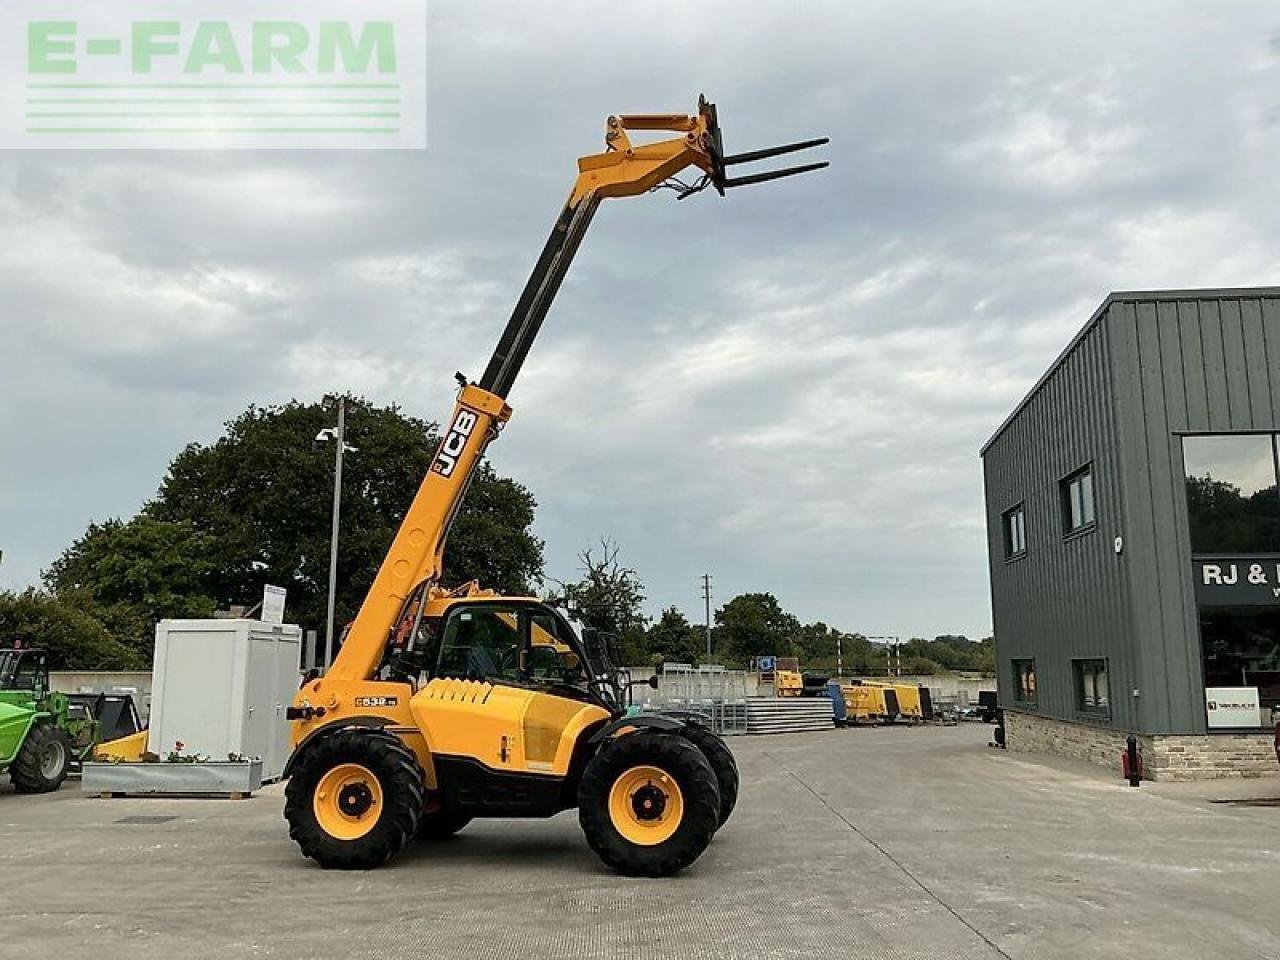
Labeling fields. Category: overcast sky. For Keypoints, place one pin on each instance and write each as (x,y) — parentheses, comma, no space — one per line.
(787,388)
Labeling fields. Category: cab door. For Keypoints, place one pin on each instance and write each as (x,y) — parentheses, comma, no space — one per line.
(556,669)
(471,707)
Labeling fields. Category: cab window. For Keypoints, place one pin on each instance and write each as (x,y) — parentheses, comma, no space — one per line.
(552,657)
(23,671)
(481,643)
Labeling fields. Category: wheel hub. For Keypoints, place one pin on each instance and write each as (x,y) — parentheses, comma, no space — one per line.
(355,799)
(648,803)
(347,801)
(51,760)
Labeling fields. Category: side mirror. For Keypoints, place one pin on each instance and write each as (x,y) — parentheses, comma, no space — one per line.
(653,681)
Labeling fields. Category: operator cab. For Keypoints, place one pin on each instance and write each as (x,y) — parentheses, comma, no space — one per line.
(24,669)
(515,642)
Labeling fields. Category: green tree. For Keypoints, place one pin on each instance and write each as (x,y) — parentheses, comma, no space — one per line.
(253,507)
(754,624)
(133,574)
(491,539)
(860,654)
(987,656)
(674,639)
(947,653)
(919,666)
(74,638)
(609,598)
(816,642)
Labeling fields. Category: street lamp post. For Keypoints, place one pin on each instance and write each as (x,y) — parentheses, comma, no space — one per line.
(339,434)
(706,597)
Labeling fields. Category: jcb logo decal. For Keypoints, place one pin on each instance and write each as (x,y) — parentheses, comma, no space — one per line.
(455,441)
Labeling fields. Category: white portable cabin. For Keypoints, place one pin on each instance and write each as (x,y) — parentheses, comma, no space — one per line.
(222,687)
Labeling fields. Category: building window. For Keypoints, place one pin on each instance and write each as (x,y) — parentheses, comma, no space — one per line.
(1024,681)
(1014,524)
(1241,649)
(1233,501)
(1093,692)
(1077,501)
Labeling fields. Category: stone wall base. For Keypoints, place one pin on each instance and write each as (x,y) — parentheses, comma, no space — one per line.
(1164,757)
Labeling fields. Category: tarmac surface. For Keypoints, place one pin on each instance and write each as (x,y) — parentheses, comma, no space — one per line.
(870,843)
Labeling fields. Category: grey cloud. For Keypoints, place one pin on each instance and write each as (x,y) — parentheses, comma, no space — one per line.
(787,388)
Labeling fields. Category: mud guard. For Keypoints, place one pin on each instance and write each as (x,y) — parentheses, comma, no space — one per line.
(651,721)
(327,730)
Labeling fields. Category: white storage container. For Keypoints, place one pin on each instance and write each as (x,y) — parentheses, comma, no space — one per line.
(222,686)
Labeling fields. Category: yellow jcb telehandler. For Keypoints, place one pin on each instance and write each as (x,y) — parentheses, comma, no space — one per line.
(444,705)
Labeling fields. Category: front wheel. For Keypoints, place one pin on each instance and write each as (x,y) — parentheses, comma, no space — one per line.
(354,799)
(43,760)
(649,803)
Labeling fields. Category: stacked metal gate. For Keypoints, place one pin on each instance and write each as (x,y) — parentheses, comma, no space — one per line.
(728,701)
(789,714)
(712,692)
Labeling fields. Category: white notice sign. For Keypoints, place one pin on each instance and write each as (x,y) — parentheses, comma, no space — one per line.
(272,604)
(1232,707)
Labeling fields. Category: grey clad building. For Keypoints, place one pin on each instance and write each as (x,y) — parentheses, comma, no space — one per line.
(1133,521)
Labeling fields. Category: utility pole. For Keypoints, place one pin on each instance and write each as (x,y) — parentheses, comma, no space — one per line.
(338,434)
(706,598)
(839,658)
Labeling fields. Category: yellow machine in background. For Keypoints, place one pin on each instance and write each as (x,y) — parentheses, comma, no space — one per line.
(882,701)
(868,703)
(443,705)
(907,697)
(128,749)
(794,683)
(788,683)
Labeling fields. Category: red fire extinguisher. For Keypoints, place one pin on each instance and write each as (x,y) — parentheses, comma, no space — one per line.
(1131,762)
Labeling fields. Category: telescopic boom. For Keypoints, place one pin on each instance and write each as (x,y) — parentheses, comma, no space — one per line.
(411,568)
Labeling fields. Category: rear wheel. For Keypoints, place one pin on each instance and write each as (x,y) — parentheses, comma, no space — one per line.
(722,762)
(649,803)
(354,799)
(43,760)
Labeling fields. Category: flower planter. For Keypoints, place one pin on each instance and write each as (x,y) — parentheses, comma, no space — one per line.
(222,777)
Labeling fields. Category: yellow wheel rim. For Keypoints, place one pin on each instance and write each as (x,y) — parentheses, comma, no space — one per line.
(347,801)
(646,805)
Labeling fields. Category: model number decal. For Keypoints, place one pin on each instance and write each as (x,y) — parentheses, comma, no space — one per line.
(455,441)
(377,701)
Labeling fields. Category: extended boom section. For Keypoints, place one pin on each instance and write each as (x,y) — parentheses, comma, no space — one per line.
(414,562)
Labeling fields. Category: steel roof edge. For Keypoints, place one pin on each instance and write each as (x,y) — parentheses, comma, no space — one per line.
(1124,296)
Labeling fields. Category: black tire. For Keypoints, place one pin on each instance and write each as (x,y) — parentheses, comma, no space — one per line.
(43,760)
(399,777)
(439,825)
(687,766)
(722,762)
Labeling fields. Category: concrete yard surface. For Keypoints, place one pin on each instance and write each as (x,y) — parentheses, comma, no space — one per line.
(869,843)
